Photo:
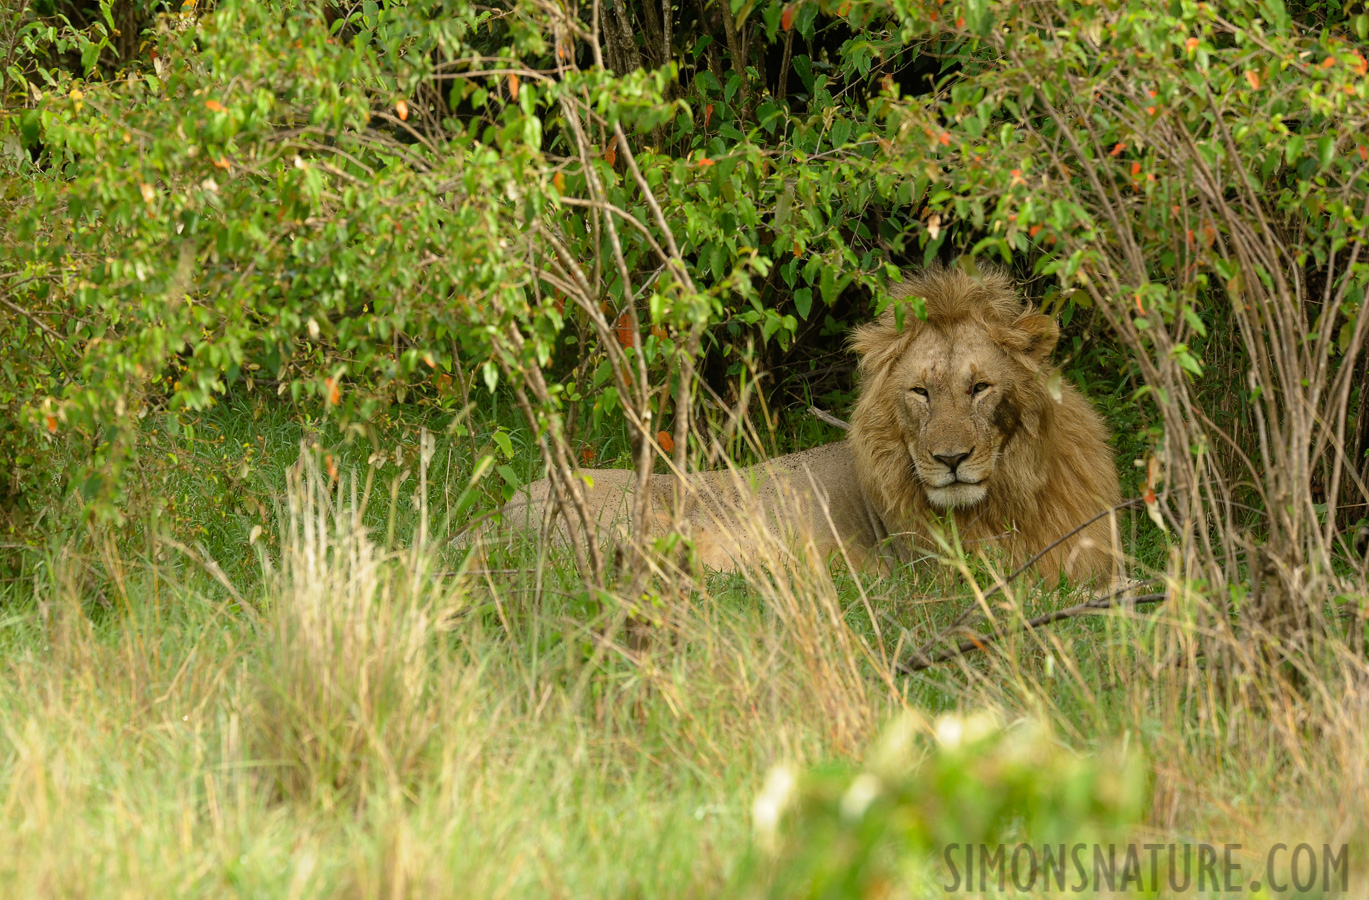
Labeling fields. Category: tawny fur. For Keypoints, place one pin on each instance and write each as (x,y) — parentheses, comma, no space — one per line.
(1054,469)
(1036,467)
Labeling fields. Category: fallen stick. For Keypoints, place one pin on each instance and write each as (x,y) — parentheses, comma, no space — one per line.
(970,609)
(919,661)
(829,418)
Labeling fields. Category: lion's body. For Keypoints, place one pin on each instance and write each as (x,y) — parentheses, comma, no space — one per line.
(812,494)
(955,422)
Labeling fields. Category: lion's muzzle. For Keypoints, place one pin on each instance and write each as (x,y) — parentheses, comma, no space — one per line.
(952,478)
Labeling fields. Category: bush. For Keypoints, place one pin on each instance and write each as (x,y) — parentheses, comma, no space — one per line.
(928,792)
(411,202)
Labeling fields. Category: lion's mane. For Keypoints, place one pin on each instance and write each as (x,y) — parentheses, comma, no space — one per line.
(1056,470)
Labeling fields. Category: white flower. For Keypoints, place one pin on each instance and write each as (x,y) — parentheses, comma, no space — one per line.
(859,796)
(771,802)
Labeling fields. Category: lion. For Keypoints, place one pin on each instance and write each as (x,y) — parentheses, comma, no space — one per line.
(961,427)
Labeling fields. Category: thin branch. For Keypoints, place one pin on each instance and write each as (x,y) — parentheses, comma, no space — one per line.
(42,326)
(969,610)
(919,661)
(830,419)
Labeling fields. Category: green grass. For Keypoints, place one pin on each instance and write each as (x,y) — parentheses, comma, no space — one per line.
(331,710)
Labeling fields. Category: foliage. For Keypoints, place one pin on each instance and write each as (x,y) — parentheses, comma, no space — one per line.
(930,790)
(1179,168)
(344,211)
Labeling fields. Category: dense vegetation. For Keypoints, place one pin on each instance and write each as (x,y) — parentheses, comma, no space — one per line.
(291,291)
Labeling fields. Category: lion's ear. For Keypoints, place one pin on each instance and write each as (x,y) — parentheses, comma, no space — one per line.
(878,342)
(1033,336)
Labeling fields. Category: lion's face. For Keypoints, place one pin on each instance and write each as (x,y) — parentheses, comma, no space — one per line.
(956,417)
(954,391)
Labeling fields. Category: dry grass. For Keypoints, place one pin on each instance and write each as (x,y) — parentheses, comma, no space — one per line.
(365,725)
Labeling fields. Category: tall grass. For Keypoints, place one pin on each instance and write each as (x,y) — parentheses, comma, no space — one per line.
(362,721)
(348,677)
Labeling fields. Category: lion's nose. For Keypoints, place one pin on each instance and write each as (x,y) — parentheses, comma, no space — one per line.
(951,460)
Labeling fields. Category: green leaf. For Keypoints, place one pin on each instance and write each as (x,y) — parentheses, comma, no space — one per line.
(501,439)
(718,262)
(827,280)
(804,67)
(1326,150)
(803,302)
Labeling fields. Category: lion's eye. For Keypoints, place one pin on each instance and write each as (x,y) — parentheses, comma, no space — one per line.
(921,392)
(980,388)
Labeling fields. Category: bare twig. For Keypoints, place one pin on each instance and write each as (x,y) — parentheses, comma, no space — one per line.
(919,661)
(830,419)
(970,608)
(42,326)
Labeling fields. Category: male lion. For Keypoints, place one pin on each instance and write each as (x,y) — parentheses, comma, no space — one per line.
(955,423)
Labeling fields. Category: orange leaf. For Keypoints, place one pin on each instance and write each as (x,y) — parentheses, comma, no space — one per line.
(1361,65)
(1152,476)
(586,456)
(513,86)
(1135,168)
(624,328)
(1363,153)
(334,392)
(787,17)
(1118,149)
(798,250)
(332,466)
(844,9)
(402,110)
(213,105)
(221,163)
(945,138)
(960,22)
(1139,308)
(665,440)
(52,424)
(1033,231)
(705,161)
(1328,62)
(708,114)
(611,154)
(1191,44)
(658,332)
(1253,77)
(559,181)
